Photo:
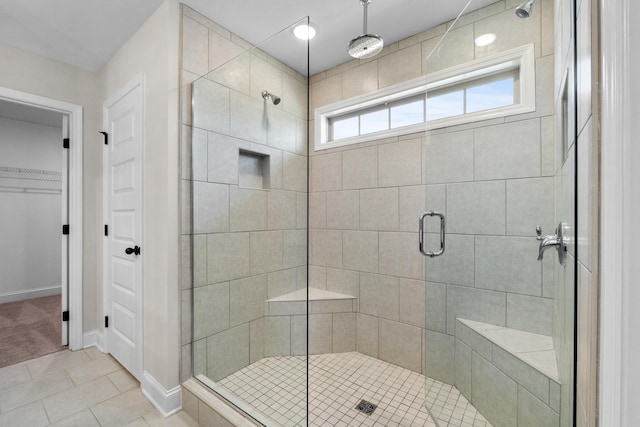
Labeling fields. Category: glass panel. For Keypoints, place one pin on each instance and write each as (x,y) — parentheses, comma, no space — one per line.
(374,121)
(345,128)
(496,317)
(407,114)
(490,95)
(249,228)
(445,105)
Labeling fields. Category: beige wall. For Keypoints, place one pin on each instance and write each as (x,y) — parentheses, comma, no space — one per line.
(153,51)
(41,76)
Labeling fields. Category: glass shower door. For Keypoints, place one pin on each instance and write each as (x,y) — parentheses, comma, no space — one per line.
(249,192)
(499,166)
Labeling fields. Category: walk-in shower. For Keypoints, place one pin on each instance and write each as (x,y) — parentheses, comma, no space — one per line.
(313,303)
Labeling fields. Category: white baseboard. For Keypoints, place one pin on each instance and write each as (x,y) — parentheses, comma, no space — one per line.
(168,402)
(93,339)
(29,294)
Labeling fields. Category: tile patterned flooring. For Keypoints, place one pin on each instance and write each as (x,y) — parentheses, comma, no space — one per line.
(84,388)
(276,387)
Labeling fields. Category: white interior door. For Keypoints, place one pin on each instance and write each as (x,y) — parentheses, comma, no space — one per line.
(64,279)
(123,217)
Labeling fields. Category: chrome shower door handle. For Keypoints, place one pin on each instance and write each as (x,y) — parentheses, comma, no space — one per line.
(421,233)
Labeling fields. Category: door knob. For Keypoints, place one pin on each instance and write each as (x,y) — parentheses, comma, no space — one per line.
(134,250)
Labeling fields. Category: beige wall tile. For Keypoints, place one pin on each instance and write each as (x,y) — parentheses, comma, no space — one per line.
(326,92)
(360,168)
(400,66)
(360,251)
(326,248)
(367,334)
(281,128)
(400,163)
(195,46)
(234,74)
(412,205)
(439,355)
(510,32)
(266,251)
(211,106)
(221,50)
(294,248)
(246,118)
(401,345)
(449,157)
(399,257)
(475,304)
(379,296)
(458,48)
(476,208)
(326,172)
(343,281)
(317,210)
(256,340)
(379,209)
(281,210)
(491,386)
(530,203)
(360,80)
(412,302)
(264,76)
(277,336)
(457,267)
(343,210)
(294,172)
(223,158)
(227,352)
(248,211)
(228,256)
(210,310)
(246,299)
(344,332)
(534,413)
(210,207)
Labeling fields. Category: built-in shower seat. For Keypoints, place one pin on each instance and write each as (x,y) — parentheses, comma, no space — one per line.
(522,365)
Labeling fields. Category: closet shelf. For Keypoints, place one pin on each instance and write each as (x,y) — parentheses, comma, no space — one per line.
(30,180)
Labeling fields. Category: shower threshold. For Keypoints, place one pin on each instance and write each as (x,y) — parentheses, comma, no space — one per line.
(273,390)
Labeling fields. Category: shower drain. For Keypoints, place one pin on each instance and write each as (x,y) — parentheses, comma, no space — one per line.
(366,407)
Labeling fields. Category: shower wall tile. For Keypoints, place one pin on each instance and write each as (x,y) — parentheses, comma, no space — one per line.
(475,304)
(379,296)
(440,357)
(449,157)
(344,332)
(526,376)
(476,208)
(360,251)
(247,118)
(223,158)
(401,345)
(247,298)
(294,248)
(294,172)
(325,248)
(511,150)
(281,128)
(531,314)
(186,269)
(302,209)
(194,46)
(298,335)
(199,155)
(412,204)
(547,129)
(256,340)
(281,282)
(343,210)
(510,32)
(210,310)
(457,268)
(320,333)
(489,386)
(248,209)
(234,74)
(474,340)
(367,335)
(186,316)
(221,50)
(326,172)
(210,207)
(436,307)
(228,256)
(343,281)
(317,210)
(200,357)
(533,412)
(325,92)
(399,257)
(400,66)
(277,336)
(462,371)
(379,209)
(508,264)
(210,106)
(457,49)
(317,277)
(266,251)
(264,76)
(400,163)
(281,210)
(227,352)
(360,168)
(294,96)
(199,260)
(412,302)
(360,80)
(529,204)
(186,363)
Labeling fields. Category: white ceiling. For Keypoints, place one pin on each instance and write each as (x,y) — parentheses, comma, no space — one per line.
(86,33)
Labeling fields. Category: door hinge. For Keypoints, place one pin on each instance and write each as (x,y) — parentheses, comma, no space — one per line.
(65,316)
(65,229)
(65,143)
(106,137)
(106,230)
(106,321)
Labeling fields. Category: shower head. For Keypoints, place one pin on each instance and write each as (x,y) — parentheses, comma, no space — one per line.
(524,10)
(275,99)
(365,45)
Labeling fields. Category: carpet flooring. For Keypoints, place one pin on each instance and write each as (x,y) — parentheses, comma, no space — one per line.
(30,329)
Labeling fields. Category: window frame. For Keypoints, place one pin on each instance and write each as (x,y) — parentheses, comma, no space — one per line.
(521,59)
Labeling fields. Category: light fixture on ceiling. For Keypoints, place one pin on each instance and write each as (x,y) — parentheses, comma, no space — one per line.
(485,39)
(305,31)
(365,45)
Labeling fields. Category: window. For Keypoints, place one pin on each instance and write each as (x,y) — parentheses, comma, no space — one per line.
(497,86)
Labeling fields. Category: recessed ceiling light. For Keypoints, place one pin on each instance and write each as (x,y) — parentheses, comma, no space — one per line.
(305,31)
(485,39)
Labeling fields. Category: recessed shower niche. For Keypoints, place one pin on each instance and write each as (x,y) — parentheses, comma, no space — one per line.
(253,170)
